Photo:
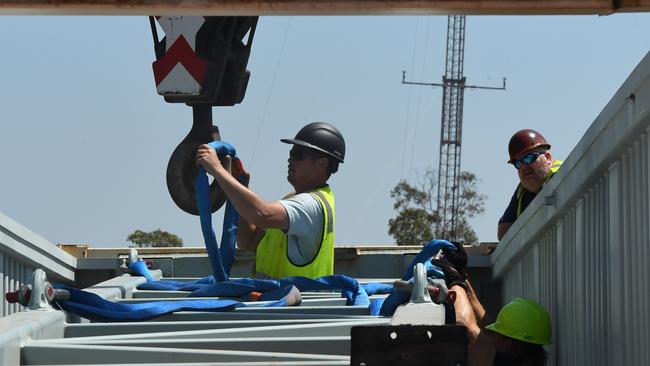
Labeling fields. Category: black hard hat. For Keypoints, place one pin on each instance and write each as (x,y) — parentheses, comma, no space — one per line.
(320,136)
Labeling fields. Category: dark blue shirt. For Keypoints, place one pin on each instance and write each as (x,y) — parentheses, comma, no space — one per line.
(510,215)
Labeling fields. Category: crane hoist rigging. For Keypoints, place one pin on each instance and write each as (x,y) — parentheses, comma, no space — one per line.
(201,61)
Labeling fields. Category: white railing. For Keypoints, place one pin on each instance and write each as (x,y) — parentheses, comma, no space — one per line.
(21,252)
(582,248)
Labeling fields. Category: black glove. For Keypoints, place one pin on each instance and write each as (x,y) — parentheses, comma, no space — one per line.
(457,258)
(452,276)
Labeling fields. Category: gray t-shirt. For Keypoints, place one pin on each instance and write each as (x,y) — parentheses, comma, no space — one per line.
(305,231)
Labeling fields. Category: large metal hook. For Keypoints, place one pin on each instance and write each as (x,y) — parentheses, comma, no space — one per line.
(182,169)
(210,55)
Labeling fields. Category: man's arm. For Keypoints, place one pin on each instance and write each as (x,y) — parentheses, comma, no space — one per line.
(479,312)
(250,206)
(509,216)
(502,229)
(248,235)
(481,348)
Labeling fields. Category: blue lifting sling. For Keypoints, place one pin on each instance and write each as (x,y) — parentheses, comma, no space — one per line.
(274,292)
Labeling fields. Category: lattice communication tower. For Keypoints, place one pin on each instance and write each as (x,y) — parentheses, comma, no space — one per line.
(451,126)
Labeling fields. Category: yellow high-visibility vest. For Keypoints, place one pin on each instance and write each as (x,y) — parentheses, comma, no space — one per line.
(272,261)
(520,190)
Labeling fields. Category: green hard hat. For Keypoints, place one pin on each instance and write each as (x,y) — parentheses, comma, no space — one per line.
(524,320)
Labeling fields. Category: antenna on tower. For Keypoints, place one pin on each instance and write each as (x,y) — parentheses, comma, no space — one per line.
(451,127)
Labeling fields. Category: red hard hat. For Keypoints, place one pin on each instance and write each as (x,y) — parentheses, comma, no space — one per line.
(524,141)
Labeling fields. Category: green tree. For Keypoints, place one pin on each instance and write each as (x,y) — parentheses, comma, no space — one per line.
(417,218)
(156,238)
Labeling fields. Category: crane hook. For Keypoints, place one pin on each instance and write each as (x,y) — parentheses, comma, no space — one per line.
(182,169)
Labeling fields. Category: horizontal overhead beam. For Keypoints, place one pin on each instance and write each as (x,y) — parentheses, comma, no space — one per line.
(320,7)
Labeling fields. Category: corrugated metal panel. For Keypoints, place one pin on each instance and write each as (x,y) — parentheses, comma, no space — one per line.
(585,255)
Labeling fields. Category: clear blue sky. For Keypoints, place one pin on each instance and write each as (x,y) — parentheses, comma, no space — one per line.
(85,139)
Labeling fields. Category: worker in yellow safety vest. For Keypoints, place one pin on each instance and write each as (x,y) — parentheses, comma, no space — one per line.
(295,235)
(530,154)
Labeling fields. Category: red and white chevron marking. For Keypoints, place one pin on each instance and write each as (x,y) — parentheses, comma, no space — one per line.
(180,71)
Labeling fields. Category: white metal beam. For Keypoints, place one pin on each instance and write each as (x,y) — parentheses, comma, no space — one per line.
(43,354)
(320,7)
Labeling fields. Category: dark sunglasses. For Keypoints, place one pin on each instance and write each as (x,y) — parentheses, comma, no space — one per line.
(297,155)
(526,160)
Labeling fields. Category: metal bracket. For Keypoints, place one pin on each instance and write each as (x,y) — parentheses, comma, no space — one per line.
(420,295)
(40,291)
(550,199)
(39,296)
(133,256)
(442,287)
(420,310)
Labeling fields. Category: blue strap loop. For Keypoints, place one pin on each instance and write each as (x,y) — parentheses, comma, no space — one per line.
(220,258)
(93,307)
(430,249)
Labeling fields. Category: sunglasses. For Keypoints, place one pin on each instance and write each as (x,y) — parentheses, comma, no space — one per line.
(526,160)
(297,155)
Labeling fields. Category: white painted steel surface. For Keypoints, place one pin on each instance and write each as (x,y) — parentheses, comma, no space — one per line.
(298,335)
(21,252)
(582,247)
(320,7)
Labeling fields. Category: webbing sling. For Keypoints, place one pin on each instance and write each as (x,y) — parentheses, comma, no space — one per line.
(229,236)
(167,285)
(354,292)
(430,249)
(220,259)
(93,307)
